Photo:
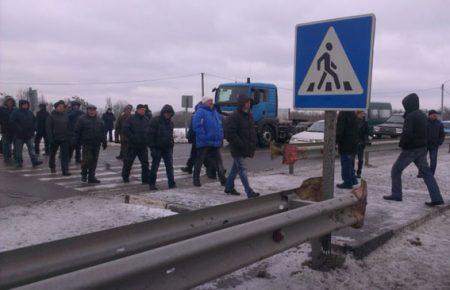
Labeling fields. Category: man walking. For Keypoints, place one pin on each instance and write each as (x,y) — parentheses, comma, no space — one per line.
(57,128)
(347,141)
(207,124)
(74,114)
(436,137)
(363,139)
(161,145)
(241,134)
(126,114)
(41,118)
(9,105)
(414,144)
(23,125)
(90,134)
(108,119)
(135,130)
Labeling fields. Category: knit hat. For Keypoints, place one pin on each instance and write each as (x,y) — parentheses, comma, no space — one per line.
(61,102)
(431,112)
(205,99)
(140,106)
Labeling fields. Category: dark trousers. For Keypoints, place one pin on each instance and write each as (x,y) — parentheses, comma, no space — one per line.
(167,155)
(215,157)
(123,147)
(360,155)
(18,145)
(89,159)
(109,132)
(419,157)
(63,154)
(37,143)
(348,169)
(77,149)
(7,144)
(191,161)
(142,154)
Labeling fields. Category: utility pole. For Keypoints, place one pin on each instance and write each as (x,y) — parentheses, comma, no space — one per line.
(203,84)
(442,102)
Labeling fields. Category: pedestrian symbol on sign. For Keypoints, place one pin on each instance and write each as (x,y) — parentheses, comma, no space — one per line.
(330,72)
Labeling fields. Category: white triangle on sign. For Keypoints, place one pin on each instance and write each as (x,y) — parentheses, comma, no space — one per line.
(331,72)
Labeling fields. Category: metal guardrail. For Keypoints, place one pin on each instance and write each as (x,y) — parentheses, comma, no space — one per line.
(180,251)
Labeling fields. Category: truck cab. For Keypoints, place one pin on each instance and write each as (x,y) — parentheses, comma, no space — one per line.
(264,106)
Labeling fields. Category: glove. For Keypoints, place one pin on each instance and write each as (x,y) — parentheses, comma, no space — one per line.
(104,145)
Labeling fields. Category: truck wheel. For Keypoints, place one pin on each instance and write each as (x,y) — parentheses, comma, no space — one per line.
(267,135)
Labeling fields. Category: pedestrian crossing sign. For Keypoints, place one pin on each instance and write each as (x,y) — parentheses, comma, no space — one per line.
(333,64)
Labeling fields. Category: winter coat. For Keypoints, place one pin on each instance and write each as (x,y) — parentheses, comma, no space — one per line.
(207,124)
(241,134)
(5,114)
(89,130)
(119,124)
(161,130)
(108,120)
(347,133)
(435,133)
(135,129)
(414,133)
(363,132)
(74,115)
(23,124)
(57,127)
(41,118)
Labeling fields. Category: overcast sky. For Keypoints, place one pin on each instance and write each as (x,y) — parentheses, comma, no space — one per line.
(114,41)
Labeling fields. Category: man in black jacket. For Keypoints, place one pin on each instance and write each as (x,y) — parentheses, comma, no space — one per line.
(74,114)
(363,139)
(57,128)
(90,133)
(240,133)
(41,118)
(347,141)
(23,125)
(160,140)
(414,144)
(9,105)
(108,119)
(135,130)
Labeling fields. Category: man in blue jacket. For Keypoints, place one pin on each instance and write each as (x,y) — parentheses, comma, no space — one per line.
(207,125)
(23,126)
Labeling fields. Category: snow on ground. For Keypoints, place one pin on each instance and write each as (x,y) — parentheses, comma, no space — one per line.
(22,226)
(415,259)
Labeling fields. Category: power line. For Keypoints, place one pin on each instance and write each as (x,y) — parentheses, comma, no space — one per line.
(221,77)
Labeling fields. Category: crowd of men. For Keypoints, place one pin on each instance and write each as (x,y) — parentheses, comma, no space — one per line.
(74,133)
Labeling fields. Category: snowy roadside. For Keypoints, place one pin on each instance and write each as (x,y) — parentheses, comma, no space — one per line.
(415,259)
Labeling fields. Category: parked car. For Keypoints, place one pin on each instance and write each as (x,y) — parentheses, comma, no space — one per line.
(446,127)
(314,133)
(393,127)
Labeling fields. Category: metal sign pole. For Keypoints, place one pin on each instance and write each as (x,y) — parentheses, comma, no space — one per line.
(186,121)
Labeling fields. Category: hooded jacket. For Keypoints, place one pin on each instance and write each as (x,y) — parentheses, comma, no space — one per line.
(240,131)
(161,130)
(415,126)
(22,122)
(5,114)
(57,127)
(135,129)
(207,124)
(108,120)
(89,130)
(41,118)
(347,134)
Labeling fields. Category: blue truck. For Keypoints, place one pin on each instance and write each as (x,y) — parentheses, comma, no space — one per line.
(265,109)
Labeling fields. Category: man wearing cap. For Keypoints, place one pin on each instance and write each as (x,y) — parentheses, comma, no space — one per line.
(74,114)
(57,128)
(207,124)
(414,144)
(41,118)
(108,119)
(90,134)
(436,137)
(23,125)
(135,129)
(126,114)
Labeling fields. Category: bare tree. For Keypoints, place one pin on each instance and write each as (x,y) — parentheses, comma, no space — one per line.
(109,103)
(118,107)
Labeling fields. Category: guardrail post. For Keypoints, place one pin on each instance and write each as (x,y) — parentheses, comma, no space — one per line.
(291,169)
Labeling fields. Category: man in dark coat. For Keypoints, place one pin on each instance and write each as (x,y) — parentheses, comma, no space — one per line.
(9,105)
(126,114)
(347,141)
(108,119)
(135,130)
(414,144)
(191,139)
(58,134)
(74,114)
(23,124)
(41,118)
(148,112)
(90,133)
(160,141)
(241,134)
(363,139)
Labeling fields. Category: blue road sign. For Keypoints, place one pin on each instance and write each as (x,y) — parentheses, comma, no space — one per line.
(333,63)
